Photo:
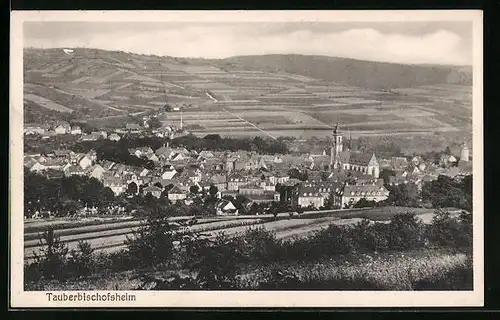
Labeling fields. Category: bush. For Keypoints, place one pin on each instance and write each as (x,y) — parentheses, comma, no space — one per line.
(261,245)
(405,232)
(370,237)
(153,243)
(214,261)
(81,262)
(450,232)
(51,261)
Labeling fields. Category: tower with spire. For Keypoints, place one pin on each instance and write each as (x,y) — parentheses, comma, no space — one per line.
(336,147)
(464,152)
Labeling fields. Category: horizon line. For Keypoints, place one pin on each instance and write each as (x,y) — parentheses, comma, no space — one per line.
(254,55)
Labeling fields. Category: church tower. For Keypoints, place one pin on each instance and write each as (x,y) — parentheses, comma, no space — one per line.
(336,148)
(464,152)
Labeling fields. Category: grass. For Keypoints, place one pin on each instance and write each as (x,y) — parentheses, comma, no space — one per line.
(419,270)
(427,269)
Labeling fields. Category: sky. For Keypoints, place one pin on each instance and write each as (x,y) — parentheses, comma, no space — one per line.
(447,42)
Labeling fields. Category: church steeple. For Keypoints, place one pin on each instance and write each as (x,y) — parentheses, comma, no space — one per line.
(336,147)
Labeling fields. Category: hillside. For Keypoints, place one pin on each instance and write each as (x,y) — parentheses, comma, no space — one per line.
(364,74)
(277,95)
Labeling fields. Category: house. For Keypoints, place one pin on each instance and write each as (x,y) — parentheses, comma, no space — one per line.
(206,154)
(279,178)
(163,152)
(96,172)
(177,157)
(153,157)
(91,137)
(309,196)
(175,193)
(225,208)
(399,163)
(447,160)
(37,167)
(416,160)
(351,194)
(76,130)
(144,172)
(114,137)
(141,152)
(219,181)
(169,173)
(85,162)
(74,171)
(235,180)
(117,185)
(251,189)
(62,128)
(32,130)
(62,153)
(132,127)
(153,190)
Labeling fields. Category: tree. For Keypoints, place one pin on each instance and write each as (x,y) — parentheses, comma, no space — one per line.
(153,243)
(154,123)
(194,189)
(51,259)
(212,192)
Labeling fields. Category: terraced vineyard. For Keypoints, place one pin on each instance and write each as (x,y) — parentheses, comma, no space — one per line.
(98,84)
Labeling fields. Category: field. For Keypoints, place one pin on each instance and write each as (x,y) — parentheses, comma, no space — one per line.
(109,235)
(100,83)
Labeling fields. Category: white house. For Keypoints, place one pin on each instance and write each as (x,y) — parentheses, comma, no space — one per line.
(226,208)
(175,193)
(85,162)
(169,174)
(76,130)
(114,137)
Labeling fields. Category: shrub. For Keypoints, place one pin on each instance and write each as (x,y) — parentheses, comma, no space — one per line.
(214,261)
(405,232)
(81,262)
(260,244)
(451,232)
(51,261)
(153,243)
(370,237)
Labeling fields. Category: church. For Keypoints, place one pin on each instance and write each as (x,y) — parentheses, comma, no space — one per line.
(353,161)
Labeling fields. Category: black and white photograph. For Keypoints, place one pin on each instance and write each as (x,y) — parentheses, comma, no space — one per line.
(312,154)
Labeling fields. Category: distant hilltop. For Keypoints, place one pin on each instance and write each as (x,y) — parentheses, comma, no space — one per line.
(359,73)
(343,71)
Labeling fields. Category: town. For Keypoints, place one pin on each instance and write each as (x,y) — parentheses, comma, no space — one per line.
(243,182)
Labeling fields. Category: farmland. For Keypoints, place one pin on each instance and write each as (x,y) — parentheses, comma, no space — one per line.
(110,235)
(302,103)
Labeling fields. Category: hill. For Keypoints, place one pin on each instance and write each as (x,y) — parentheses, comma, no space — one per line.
(364,74)
(275,95)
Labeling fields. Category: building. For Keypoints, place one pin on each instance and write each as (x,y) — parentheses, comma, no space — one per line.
(90,137)
(175,194)
(85,162)
(117,185)
(96,172)
(309,196)
(226,208)
(348,160)
(464,153)
(351,194)
(153,190)
(114,137)
(76,130)
(62,128)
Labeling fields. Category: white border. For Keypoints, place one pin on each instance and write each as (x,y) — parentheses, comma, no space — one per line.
(22,299)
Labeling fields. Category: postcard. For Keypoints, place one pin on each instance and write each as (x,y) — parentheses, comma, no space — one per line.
(246,159)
